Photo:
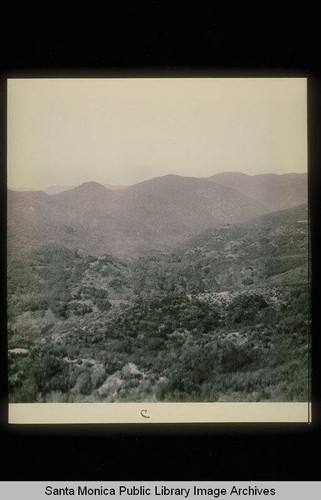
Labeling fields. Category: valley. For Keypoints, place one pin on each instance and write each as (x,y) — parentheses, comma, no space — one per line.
(176,289)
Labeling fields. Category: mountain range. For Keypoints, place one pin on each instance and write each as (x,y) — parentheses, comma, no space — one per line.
(276,192)
(60,189)
(155,214)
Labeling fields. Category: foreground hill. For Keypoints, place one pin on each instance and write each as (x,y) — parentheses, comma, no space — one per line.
(271,249)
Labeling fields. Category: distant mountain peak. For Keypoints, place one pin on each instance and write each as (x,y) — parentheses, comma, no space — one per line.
(170,180)
(90,184)
(89,188)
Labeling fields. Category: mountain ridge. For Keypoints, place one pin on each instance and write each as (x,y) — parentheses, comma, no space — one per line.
(55,189)
(276,191)
(154,214)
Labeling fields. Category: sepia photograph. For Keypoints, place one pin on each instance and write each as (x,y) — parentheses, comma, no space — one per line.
(158,242)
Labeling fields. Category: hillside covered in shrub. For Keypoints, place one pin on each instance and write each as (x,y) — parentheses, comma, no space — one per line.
(222,317)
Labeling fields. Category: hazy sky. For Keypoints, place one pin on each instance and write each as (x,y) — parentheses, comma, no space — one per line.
(123,131)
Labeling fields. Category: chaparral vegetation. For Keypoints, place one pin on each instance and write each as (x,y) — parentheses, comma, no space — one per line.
(221,316)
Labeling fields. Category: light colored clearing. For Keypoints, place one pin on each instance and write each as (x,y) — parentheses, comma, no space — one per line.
(235,337)
(19,350)
(131,369)
(125,413)
(110,386)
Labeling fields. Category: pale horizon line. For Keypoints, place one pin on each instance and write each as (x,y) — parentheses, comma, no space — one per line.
(22,188)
